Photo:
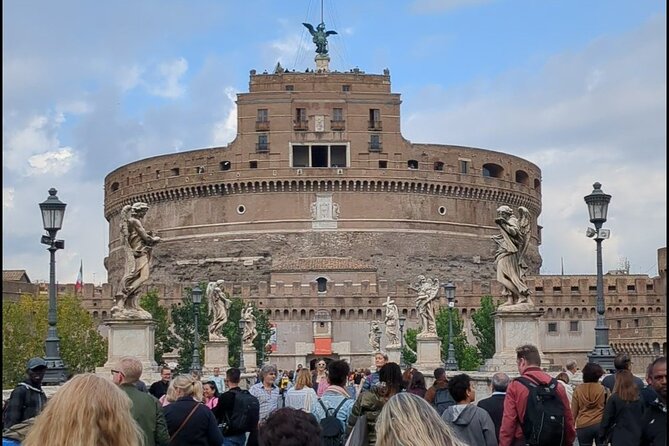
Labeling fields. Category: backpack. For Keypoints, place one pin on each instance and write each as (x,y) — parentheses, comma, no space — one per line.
(544,422)
(332,431)
(442,400)
(238,421)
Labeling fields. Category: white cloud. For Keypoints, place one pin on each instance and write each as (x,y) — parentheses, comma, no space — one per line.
(7,197)
(165,80)
(225,130)
(56,162)
(429,6)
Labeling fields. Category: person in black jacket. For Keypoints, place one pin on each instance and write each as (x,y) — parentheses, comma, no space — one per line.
(621,422)
(494,404)
(27,398)
(159,388)
(225,406)
(654,423)
(622,361)
(189,422)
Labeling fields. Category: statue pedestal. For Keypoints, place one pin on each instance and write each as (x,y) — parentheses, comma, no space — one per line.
(322,63)
(513,328)
(394,351)
(216,355)
(250,359)
(130,337)
(428,353)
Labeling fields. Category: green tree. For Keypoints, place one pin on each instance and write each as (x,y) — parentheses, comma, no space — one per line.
(467,355)
(484,327)
(24,330)
(409,354)
(164,340)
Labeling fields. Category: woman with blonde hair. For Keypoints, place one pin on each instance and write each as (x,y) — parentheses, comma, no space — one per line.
(170,396)
(302,395)
(190,422)
(87,410)
(407,419)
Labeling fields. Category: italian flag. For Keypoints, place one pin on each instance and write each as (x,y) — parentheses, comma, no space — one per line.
(79,286)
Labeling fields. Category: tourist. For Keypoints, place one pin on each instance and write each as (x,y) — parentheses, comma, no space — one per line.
(27,399)
(266,391)
(218,379)
(440,382)
(470,423)
(417,384)
(407,419)
(209,394)
(301,396)
(169,397)
(587,404)
(380,359)
(336,397)
(494,404)
(571,369)
(528,360)
(370,403)
(159,388)
(563,380)
(189,422)
(406,376)
(146,410)
(648,393)
(226,405)
(87,410)
(289,427)
(621,422)
(358,378)
(654,423)
(621,362)
(319,377)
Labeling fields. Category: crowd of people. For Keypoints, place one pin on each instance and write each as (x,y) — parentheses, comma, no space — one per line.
(334,405)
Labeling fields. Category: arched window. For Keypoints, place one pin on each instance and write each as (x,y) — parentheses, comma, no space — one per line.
(522,177)
(322,284)
(492,170)
(412,164)
(114,186)
(438,165)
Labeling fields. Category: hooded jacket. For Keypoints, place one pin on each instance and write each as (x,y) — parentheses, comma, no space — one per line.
(515,403)
(587,404)
(26,401)
(471,424)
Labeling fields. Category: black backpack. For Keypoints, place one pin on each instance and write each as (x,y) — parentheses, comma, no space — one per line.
(544,422)
(442,400)
(238,421)
(332,431)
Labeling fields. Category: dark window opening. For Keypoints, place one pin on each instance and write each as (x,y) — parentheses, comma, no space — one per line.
(464,166)
(253,164)
(574,289)
(492,170)
(592,288)
(290,87)
(612,287)
(157,174)
(522,177)
(300,156)
(174,171)
(345,88)
(319,156)
(631,288)
(573,325)
(114,186)
(552,327)
(322,284)
(199,169)
(557,289)
(636,323)
(619,324)
(225,165)
(375,143)
(539,289)
(412,164)
(383,164)
(263,143)
(438,165)
(338,156)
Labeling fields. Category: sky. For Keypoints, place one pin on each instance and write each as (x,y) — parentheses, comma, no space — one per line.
(577,87)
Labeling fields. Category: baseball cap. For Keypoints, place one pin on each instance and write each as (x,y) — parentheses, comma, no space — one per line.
(35,363)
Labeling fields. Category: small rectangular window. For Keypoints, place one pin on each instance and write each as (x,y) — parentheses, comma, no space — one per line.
(539,289)
(552,327)
(157,174)
(253,164)
(199,169)
(557,289)
(263,143)
(337,114)
(631,288)
(592,288)
(574,289)
(383,164)
(174,171)
(619,324)
(300,156)
(263,115)
(375,143)
(649,287)
(338,156)
(300,114)
(573,325)
(464,166)
(289,88)
(345,88)
(612,287)
(636,323)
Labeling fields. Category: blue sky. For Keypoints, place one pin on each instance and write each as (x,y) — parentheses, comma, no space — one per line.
(578,87)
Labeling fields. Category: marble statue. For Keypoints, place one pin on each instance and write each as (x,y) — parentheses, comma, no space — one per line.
(249,333)
(375,336)
(137,244)
(392,316)
(512,244)
(427,290)
(320,37)
(219,305)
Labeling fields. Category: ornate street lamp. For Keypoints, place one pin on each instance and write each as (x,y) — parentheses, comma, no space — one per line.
(402,320)
(449,291)
(53,211)
(241,345)
(196,294)
(598,206)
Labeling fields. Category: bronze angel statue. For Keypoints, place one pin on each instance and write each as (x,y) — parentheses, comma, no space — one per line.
(512,244)
(320,37)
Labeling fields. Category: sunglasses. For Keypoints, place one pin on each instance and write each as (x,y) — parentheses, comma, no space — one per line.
(116,371)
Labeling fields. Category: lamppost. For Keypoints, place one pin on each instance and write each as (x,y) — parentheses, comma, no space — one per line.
(53,211)
(402,319)
(449,291)
(262,349)
(598,206)
(196,294)
(241,345)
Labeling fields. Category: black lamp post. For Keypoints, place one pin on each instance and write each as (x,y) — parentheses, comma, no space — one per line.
(262,349)
(53,211)
(402,320)
(196,294)
(598,206)
(449,291)
(241,345)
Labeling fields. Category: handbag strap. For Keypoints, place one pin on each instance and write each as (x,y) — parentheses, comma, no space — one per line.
(183,423)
